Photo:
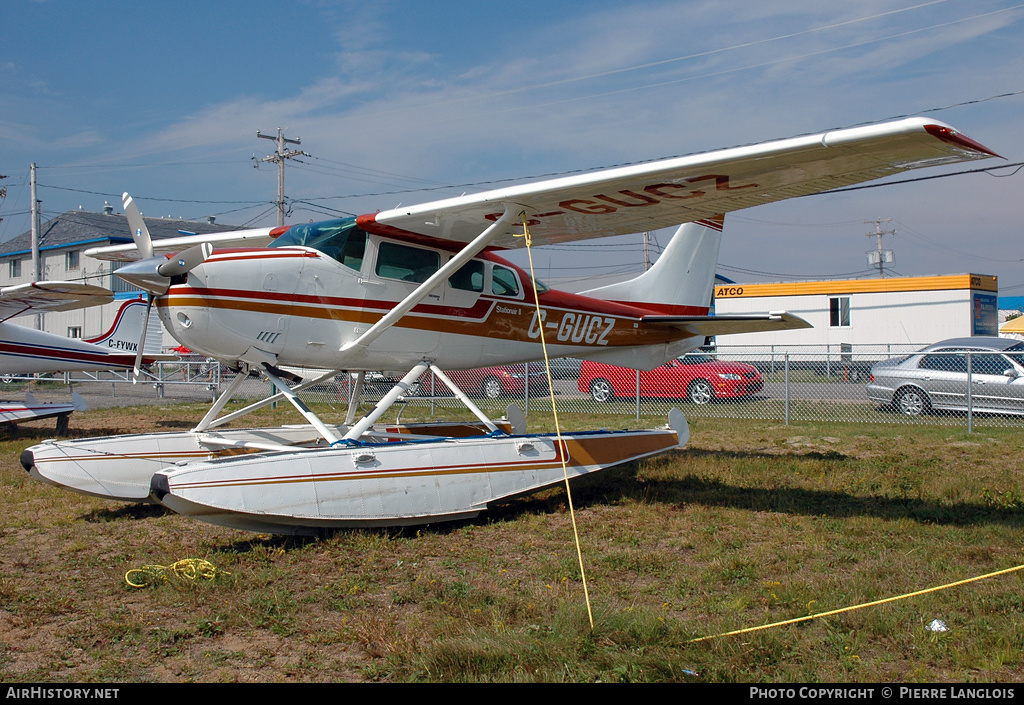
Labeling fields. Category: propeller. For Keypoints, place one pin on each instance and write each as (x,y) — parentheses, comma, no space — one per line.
(184,262)
(153,273)
(137,371)
(140,233)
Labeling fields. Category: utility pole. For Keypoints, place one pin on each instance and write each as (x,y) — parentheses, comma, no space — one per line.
(647,251)
(879,256)
(3,191)
(36,263)
(35,223)
(278,158)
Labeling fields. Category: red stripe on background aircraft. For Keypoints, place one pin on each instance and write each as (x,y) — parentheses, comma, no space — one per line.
(25,351)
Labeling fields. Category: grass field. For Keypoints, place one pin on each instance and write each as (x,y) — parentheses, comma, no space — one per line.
(753,523)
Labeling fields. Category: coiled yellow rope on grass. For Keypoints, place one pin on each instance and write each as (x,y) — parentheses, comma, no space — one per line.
(185,569)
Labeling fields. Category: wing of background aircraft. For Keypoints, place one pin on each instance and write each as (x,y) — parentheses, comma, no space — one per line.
(667,192)
(24,350)
(257,237)
(40,297)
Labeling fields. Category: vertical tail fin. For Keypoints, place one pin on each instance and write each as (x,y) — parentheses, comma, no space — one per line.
(126,332)
(682,280)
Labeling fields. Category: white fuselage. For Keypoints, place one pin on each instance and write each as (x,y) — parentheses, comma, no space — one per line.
(298,306)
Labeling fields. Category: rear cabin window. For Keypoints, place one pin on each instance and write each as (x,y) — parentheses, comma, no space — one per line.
(338,239)
(410,264)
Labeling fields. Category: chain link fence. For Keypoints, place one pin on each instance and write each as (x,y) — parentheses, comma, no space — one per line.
(881,384)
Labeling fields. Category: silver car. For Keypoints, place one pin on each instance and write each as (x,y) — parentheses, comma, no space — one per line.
(936,378)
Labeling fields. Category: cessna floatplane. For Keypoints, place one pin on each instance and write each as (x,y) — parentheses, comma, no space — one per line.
(26,351)
(423,287)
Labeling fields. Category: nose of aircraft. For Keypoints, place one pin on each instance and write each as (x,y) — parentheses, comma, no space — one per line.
(145,275)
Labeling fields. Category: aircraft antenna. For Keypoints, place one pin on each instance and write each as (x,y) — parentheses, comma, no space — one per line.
(279,158)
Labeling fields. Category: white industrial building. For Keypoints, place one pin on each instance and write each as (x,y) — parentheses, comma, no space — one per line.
(62,244)
(860,315)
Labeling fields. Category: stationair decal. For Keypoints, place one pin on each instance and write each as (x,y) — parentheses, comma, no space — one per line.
(652,195)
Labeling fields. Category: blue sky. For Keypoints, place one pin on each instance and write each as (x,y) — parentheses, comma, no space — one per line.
(403,102)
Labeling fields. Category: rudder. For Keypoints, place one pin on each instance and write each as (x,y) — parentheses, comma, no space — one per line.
(126,332)
(682,280)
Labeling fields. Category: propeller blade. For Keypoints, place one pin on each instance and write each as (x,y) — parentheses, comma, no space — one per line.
(140,233)
(137,372)
(184,262)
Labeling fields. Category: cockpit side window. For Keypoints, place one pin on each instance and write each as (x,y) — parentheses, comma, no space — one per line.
(338,239)
(504,282)
(354,249)
(470,277)
(411,264)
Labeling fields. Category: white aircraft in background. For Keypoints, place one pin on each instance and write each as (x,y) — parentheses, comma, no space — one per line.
(423,287)
(25,351)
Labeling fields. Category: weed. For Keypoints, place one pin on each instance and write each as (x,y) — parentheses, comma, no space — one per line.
(754,523)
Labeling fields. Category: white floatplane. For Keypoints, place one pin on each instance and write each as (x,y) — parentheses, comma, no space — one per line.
(25,351)
(14,412)
(423,287)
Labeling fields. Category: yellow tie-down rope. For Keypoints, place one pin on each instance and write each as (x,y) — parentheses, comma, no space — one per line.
(857,607)
(185,569)
(554,411)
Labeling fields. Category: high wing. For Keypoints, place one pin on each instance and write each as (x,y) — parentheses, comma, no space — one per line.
(256,237)
(668,192)
(41,297)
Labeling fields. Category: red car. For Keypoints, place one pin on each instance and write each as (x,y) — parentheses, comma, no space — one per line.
(497,382)
(489,382)
(699,378)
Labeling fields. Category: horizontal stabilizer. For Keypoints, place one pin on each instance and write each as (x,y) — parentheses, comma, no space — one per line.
(724,325)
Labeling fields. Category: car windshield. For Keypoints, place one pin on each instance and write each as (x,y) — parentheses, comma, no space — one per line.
(695,359)
(339,239)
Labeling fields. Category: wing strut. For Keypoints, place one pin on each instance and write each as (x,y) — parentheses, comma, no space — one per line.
(450,267)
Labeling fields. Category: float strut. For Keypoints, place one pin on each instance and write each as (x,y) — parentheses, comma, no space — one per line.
(386,401)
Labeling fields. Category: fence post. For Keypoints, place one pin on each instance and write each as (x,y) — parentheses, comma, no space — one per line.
(526,387)
(786,386)
(970,396)
(637,395)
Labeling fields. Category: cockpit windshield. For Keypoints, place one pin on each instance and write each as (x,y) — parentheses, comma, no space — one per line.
(340,239)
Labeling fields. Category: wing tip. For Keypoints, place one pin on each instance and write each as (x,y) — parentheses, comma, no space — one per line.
(958,139)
